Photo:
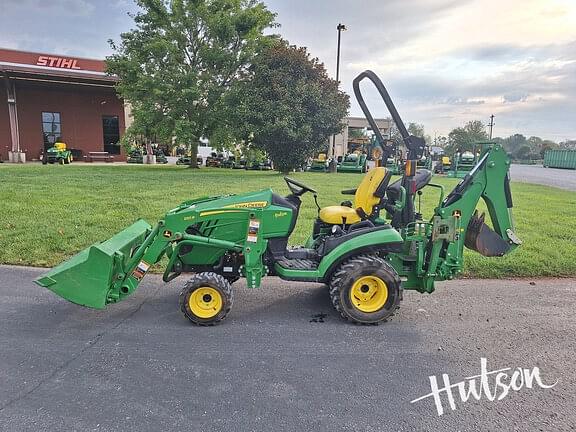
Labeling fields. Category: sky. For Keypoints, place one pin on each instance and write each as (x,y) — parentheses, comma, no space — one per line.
(444,62)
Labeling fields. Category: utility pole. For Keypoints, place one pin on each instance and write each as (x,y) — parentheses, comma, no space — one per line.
(340,27)
(491,124)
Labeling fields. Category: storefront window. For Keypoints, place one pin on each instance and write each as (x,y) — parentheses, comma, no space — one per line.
(111,131)
(51,128)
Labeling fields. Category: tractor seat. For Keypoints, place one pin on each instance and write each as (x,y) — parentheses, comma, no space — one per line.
(422,178)
(366,197)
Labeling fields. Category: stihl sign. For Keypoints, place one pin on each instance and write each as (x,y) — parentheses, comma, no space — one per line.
(58,62)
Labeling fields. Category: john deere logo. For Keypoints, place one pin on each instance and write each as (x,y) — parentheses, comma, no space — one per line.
(251,204)
(280,214)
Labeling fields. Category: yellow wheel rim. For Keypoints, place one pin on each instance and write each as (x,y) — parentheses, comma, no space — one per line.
(205,302)
(369,294)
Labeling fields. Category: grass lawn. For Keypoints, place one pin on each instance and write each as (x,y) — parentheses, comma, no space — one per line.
(48,213)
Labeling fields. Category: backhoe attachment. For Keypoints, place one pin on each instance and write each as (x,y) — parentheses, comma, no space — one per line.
(482,239)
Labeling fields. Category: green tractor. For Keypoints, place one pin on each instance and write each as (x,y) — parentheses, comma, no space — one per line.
(353,162)
(58,153)
(367,252)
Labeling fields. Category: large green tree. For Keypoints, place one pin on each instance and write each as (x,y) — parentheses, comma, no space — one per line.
(180,61)
(464,138)
(290,107)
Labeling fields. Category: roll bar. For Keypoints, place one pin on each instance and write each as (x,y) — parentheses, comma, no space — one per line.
(415,145)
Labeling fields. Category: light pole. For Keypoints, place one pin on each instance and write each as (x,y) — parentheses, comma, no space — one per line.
(340,27)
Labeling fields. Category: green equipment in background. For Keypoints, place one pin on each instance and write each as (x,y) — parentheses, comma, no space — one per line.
(58,153)
(136,156)
(185,160)
(228,162)
(353,162)
(462,164)
(425,162)
(215,160)
(560,158)
(443,165)
(240,164)
(367,251)
(319,164)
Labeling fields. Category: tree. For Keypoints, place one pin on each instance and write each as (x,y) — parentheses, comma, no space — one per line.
(415,129)
(290,106)
(181,60)
(464,138)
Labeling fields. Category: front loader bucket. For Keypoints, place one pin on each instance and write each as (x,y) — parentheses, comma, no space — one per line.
(481,238)
(87,277)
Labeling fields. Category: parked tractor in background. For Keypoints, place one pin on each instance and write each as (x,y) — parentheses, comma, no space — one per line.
(58,153)
(462,163)
(185,160)
(354,163)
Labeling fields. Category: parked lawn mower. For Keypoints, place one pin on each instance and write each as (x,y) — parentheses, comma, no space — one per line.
(228,162)
(319,164)
(353,162)
(443,165)
(215,160)
(185,160)
(58,153)
(365,259)
(136,156)
(240,164)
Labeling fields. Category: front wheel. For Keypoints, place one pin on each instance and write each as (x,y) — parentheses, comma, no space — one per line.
(366,289)
(206,299)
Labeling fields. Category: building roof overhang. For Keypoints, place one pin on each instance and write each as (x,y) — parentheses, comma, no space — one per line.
(62,76)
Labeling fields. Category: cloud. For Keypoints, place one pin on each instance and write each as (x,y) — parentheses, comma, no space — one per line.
(444,62)
(52,7)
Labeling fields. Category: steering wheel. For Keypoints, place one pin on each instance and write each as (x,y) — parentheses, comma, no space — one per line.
(297,188)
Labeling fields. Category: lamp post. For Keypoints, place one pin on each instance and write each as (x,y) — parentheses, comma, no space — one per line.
(340,27)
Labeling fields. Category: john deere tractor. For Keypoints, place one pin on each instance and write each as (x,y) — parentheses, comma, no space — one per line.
(367,250)
(58,153)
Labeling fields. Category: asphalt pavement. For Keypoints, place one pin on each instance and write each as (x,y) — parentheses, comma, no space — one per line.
(273,364)
(537,174)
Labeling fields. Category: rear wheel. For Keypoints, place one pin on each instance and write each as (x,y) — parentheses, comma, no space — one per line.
(366,289)
(206,298)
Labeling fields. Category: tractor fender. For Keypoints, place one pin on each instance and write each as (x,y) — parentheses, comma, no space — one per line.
(387,240)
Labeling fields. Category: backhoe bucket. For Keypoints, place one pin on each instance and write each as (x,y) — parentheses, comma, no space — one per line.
(481,238)
(87,277)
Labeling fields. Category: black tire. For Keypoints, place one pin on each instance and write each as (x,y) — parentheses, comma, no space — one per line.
(211,282)
(350,272)
(231,279)
(44,161)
